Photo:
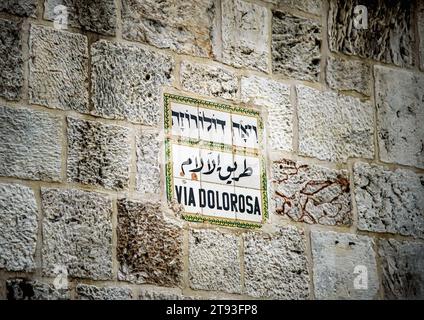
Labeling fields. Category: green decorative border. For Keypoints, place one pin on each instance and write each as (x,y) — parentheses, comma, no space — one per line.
(212,146)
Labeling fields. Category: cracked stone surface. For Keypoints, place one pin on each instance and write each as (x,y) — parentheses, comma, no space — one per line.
(148,157)
(275,264)
(58,69)
(339,260)
(214,261)
(389,201)
(93,15)
(91,292)
(183,26)
(24,289)
(127,81)
(77,233)
(334,127)
(208,80)
(296,44)
(245,36)
(275,97)
(26,8)
(403,269)
(308,6)
(389,36)
(98,154)
(30,145)
(149,246)
(11,60)
(311,193)
(400,114)
(18,227)
(349,75)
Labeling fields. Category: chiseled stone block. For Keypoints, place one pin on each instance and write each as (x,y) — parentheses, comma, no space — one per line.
(344,266)
(389,201)
(92,292)
(18,227)
(275,265)
(148,159)
(58,69)
(127,81)
(400,115)
(149,246)
(77,233)
(308,6)
(214,261)
(311,193)
(24,289)
(26,8)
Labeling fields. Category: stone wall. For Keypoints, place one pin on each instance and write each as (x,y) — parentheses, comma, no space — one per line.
(81,176)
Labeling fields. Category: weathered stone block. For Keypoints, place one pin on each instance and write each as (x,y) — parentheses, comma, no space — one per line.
(148,157)
(149,246)
(214,261)
(209,80)
(340,259)
(182,26)
(18,227)
(93,15)
(11,61)
(58,69)
(420,16)
(26,8)
(389,201)
(275,97)
(77,233)
(98,154)
(296,46)
(400,115)
(334,127)
(403,269)
(24,289)
(308,6)
(276,265)
(162,294)
(91,292)
(311,193)
(389,34)
(245,34)
(30,145)
(126,81)
(346,75)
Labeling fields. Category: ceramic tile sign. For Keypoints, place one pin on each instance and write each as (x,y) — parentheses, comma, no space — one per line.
(215,166)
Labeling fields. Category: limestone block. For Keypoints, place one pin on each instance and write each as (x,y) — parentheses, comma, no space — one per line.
(26,8)
(91,292)
(24,289)
(308,6)
(148,157)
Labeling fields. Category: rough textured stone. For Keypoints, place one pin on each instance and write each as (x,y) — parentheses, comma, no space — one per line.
(18,227)
(209,80)
(149,246)
(311,194)
(30,145)
(11,61)
(403,269)
(148,170)
(275,266)
(275,97)
(214,261)
(388,38)
(162,294)
(26,8)
(296,46)
(309,6)
(126,81)
(91,292)
(77,233)
(183,26)
(245,36)
(98,154)
(400,115)
(420,16)
(334,127)
(339,259)
(346,75)
(24,289)
(93,15)
(58,69)
(389,201)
